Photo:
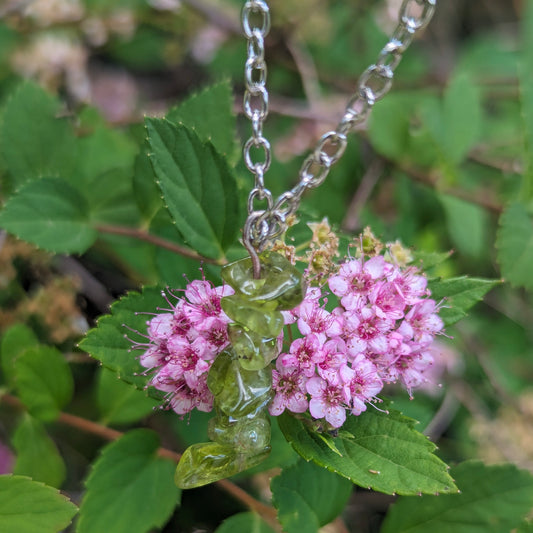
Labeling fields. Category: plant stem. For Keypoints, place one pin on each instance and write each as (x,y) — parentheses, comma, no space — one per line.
(267,513)
(142,235)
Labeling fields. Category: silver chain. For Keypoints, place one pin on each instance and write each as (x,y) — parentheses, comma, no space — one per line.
(264,225)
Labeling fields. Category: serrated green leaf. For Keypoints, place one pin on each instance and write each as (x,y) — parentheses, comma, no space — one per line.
(120,402)
(308,496)
(34,141)
(514,242)
(51,214)
(461,118)
(37,454)
(43,380)
(427,260)
(244,523)
(210,114)
(198,187)
(109,341)
(384,453)
(459,295)
(28,506)
(130,489)
(493,499)
(15,340)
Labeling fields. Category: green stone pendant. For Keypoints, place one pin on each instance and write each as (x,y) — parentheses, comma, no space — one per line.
(240,378)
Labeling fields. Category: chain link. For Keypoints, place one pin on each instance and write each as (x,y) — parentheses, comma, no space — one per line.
(263,226)
(256,25)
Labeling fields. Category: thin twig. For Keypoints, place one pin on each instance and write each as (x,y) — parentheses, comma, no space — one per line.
(306,68)
(425,179)
(440,422)
(509,167)
(215,15)
(88,426)
(359,199)
(142,235)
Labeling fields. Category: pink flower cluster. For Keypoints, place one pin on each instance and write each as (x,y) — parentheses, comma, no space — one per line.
(183,344)
(380,332)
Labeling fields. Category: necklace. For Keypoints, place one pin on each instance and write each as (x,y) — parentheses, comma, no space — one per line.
(260,287)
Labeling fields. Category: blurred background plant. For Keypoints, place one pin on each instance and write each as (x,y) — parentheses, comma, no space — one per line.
(444,163)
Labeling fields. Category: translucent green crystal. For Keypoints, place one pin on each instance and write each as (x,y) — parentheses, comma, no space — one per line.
(246,435)
(205,463)
(254,352)
(239,378)
(238,392)
(261,318)
(280,281)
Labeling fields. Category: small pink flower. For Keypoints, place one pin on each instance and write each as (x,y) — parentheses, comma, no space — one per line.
(187,358)
(363,382)
(410,285)
(327,401)
(334,357)
(356,279)
(186,398)
(215,331)
(288,385)
(204,301)
(368,331)
(304,354)
(161,327)
(315,319)
(387,302)
(422,322)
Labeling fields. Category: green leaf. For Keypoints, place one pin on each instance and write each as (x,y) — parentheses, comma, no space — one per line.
(210,114)
(130,489)
(308,496)
(515,246)
(33,140)
(145,190)
(244,523)
(389,126)
(467,225)
(120,402)
(294,513)
(110,342)
(427,260)
(380,451)
(461,117)
(28,506)
(102,150)
(37,455)
(198,187)
(15,340)
(493,499)
(460,294)
(43,381)
(111,200)
(49,213)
